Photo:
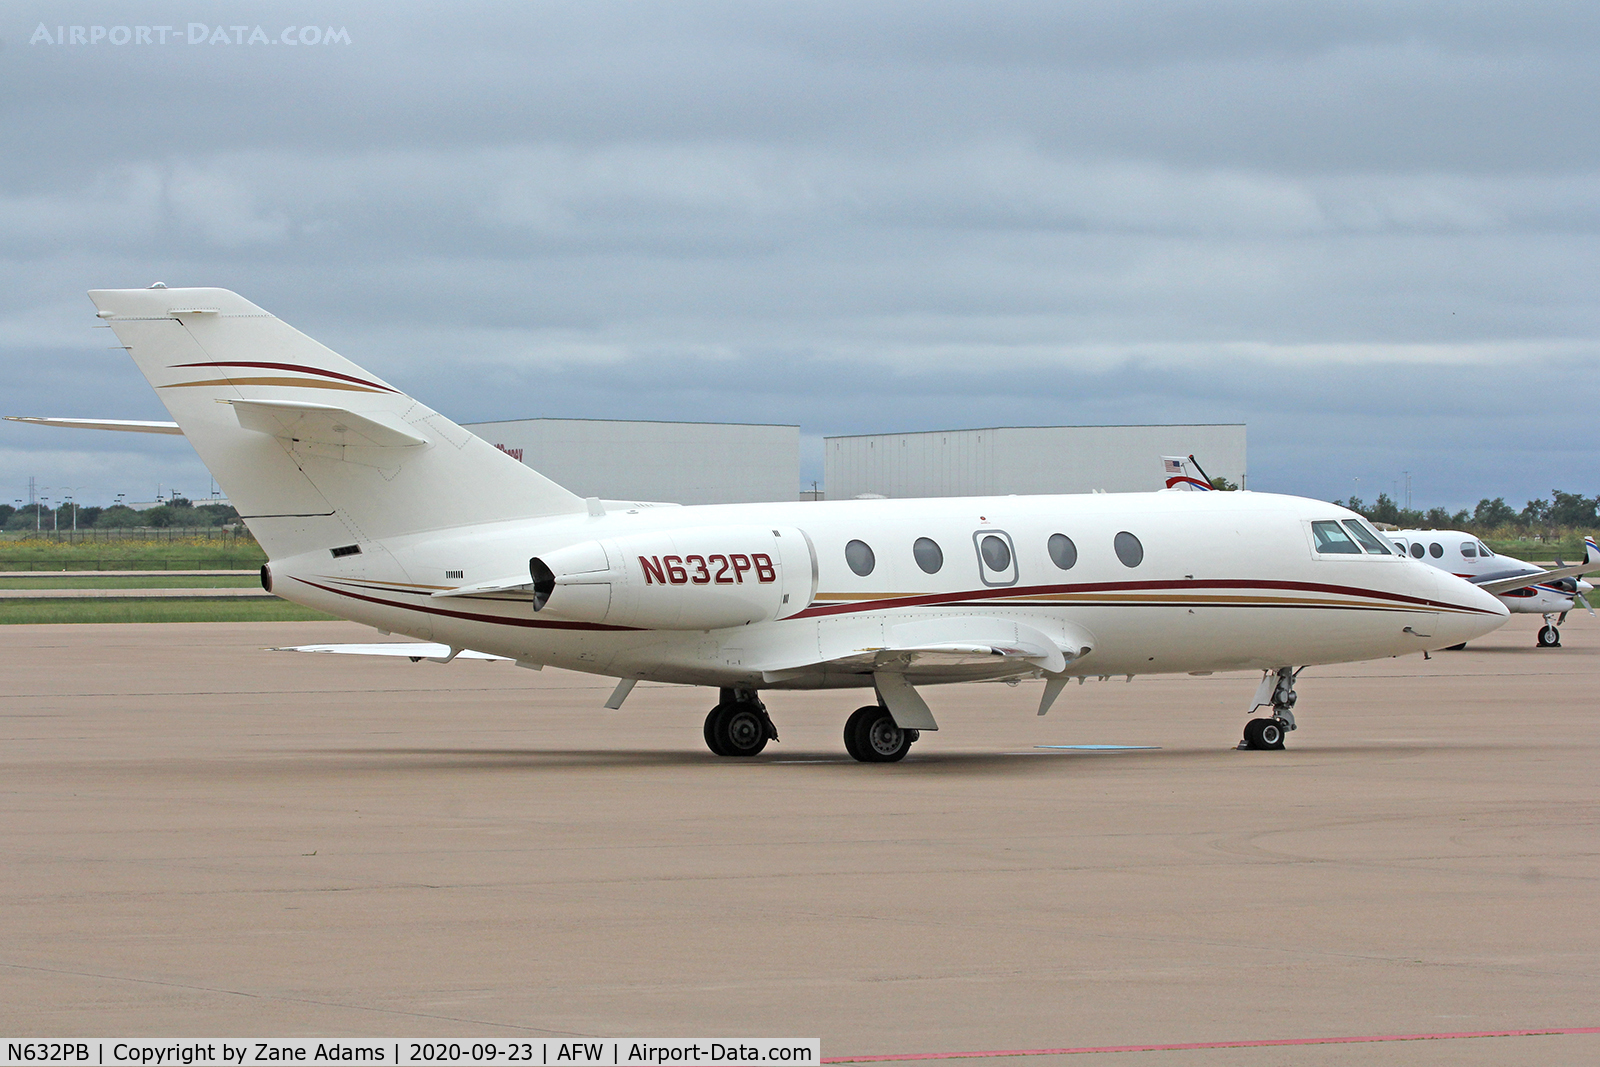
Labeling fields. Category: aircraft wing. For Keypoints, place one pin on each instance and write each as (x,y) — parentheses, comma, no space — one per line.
(938,650)
(125,425)
(1510,584)
(415,651)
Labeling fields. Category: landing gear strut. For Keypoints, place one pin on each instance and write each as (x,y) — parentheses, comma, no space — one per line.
(1279,691)
(739,725)
(1549,636)
(871,736)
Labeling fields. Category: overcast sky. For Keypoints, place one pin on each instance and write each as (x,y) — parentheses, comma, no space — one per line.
(1367,230)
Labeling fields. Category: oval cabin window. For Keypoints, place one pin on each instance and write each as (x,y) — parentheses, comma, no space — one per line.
(996,553)
(1129,550)
(928,554)
(859,555)
(1063,553)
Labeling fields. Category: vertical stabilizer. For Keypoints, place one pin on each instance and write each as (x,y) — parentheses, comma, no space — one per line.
(314,451)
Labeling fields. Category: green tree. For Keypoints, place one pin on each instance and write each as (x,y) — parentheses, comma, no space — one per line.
(1490,513)
(1219,482)
(1385,510)
(1437,518)
(1570,509)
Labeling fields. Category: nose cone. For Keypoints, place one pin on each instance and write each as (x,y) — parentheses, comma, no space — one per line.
(1584,587)
(1466,612)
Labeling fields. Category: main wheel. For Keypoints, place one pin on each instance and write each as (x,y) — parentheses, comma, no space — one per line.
(1263,734)
(871,736)
(743,730)
(1549,637)
(736,730)
(714,732)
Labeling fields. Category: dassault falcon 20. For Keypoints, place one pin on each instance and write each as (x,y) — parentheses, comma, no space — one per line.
(376,508)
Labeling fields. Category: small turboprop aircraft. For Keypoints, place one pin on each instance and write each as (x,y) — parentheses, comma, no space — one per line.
(376,508)
(1525,589)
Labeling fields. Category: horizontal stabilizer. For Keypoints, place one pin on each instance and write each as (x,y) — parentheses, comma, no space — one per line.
(412,650)
(125,425)
(296,420)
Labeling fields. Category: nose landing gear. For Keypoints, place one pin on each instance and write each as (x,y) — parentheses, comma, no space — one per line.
(1276,688)
(739,725)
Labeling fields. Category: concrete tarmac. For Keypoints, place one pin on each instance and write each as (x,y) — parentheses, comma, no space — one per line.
(204,838)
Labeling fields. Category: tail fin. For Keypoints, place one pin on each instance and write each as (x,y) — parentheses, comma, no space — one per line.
(314,451)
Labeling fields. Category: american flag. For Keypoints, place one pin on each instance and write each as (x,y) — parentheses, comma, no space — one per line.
(1174,464)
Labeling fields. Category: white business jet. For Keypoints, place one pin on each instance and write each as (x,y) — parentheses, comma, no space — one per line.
(1525,589)
(374,507)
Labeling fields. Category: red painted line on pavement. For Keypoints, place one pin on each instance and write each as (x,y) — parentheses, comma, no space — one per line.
(1270,1043)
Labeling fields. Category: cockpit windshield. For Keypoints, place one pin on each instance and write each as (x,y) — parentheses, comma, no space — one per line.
(1331,538)
(1367,538)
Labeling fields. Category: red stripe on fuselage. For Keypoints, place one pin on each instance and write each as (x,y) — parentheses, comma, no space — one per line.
(1188,585)
(294,367)
(536,624)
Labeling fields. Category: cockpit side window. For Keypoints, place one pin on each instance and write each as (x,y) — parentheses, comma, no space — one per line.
(1469,550)
(1330,538)
(1483,550)
(1366,538)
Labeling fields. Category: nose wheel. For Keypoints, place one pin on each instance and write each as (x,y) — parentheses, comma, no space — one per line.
(1549,636)
(1277,689)
(1263,733)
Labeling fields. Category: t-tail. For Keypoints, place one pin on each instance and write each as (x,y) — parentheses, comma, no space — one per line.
(313,451)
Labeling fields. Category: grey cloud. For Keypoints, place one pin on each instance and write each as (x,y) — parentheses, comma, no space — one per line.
(1363,227)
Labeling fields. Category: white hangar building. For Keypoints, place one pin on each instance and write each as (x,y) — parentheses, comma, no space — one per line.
(1025,459)
(675,462)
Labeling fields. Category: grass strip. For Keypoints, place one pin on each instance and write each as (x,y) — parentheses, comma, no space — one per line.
(150,581)
(174,610)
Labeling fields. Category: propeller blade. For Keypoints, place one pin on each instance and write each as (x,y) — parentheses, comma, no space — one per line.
(1579,598)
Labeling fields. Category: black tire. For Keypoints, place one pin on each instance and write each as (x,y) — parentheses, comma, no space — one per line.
(713,731)
(853,730)
(1549,637)
(1263,734)
(1456,648)
(742,729)
(1252,734)
(877,738)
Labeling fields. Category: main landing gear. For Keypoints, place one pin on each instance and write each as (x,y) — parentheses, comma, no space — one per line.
(1278,690)
(739,725)
(1549,636)
(871,736)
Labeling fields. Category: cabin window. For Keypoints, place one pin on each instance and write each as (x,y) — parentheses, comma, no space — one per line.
(859,555)
(1332,540)
(1128,548)
(996,553)
(1469,550)
(928,554)
(1436,550)
(1417,550)
(1366,538)
(1063,553)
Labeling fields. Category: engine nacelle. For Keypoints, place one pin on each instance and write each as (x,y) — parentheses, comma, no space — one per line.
(699,578)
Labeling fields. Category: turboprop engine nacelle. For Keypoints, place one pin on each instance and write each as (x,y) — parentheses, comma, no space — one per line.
(700,578)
